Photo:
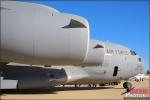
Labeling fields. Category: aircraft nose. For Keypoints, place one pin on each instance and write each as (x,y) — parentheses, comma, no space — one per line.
(140,64)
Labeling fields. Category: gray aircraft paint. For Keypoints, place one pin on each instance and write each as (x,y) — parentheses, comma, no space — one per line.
(95,54)
(128,66)
(37,34)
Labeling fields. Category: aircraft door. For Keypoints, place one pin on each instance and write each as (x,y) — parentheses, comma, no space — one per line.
(115,71)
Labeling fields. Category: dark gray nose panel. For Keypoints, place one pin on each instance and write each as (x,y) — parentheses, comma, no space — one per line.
(34,77)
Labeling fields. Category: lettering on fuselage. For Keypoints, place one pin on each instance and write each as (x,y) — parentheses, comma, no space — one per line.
(117,52)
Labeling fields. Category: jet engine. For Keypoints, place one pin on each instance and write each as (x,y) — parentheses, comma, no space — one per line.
(95,55)
(40,35)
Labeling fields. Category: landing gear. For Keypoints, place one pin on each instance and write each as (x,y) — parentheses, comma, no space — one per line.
(89,85)
(102,84)
(75,85)
(2,64)
(63,85)
(127,86)
(94,85)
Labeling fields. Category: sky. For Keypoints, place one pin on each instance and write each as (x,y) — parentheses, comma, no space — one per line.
(123,22)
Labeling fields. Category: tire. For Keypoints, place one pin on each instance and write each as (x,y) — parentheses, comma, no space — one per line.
(127,85)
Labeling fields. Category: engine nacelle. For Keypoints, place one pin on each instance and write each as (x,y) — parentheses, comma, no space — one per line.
(95,55)
(37,34)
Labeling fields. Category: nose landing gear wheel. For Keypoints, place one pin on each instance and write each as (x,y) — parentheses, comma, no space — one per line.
(127,86)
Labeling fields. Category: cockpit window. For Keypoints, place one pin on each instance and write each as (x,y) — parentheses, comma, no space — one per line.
(132,52)
(98,46)
(75,24)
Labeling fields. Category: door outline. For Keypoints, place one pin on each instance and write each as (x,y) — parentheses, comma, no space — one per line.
(115,71)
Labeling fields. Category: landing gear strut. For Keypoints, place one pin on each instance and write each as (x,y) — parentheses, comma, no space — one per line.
(127,86)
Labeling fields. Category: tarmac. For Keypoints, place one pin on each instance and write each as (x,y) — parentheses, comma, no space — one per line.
(83,92)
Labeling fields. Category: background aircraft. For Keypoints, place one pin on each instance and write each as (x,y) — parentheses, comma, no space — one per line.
(139,77)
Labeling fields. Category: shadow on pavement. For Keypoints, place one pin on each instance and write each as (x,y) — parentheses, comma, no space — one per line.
(27,91)
(52,90)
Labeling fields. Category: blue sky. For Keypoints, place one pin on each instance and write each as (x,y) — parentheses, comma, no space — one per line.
(123,22)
